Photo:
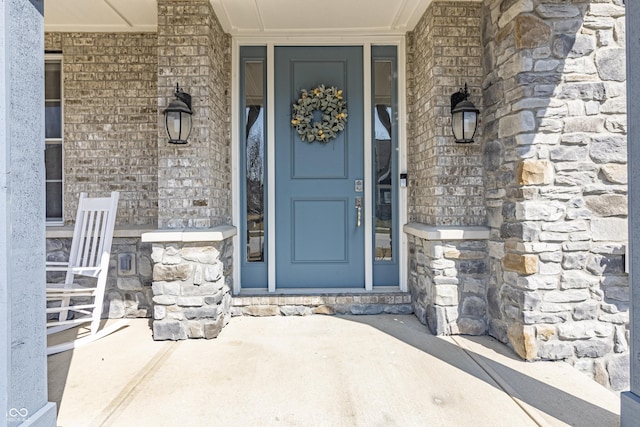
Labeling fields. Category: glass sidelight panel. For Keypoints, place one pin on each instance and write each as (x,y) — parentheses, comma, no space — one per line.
(385,174)
(383,156)
(253,134)
(254,159)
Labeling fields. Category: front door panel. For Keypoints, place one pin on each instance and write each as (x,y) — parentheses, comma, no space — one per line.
(319,239)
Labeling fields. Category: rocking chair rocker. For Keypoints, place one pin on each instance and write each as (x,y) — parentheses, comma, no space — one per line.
(89,257)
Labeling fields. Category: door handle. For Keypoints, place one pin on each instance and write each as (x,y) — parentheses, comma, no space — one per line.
(358,211)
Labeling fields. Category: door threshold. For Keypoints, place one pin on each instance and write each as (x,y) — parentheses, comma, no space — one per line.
(260,303)
(321,291)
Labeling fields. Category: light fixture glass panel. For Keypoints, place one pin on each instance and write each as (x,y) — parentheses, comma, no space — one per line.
(470,122)
(173,124)
(185,125)
(457,125)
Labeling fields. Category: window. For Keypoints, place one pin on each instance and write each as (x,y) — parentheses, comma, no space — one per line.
(53,138)
(385,165)
(253,163)
(384,157)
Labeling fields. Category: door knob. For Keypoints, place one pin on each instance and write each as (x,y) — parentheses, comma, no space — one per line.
(358,211)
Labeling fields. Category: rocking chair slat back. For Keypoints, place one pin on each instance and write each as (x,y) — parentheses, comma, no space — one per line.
(94,228)
(89,256)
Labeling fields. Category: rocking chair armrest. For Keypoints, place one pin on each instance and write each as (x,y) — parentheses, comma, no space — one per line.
(52,269)
(56,265)
(64,267)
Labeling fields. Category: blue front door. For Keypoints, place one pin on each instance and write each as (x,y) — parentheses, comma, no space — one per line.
(319,237)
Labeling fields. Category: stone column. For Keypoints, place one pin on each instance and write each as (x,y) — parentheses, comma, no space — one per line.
(555,154)
(630,400)
(23,373)
(194,180)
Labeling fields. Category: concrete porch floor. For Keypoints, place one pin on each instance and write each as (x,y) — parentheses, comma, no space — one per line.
(318,370)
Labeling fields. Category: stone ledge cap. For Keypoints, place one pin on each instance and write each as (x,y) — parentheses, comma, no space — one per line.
(215,234)
(430,232)
(66,232)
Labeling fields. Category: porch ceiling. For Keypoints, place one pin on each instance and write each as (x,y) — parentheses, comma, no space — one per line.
(246,17)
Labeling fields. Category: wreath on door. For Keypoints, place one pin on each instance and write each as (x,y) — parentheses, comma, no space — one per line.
(332,108)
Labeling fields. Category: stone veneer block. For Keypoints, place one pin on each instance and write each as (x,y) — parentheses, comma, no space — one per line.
(531,31)
(523,340)
(524,264)
(534,172)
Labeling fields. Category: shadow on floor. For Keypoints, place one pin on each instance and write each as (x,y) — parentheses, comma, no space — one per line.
(542,396)
(60,363)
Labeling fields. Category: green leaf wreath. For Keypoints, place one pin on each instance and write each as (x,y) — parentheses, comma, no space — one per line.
(334,114)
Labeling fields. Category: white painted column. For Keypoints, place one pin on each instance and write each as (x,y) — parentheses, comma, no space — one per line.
(23,362)
(630,401)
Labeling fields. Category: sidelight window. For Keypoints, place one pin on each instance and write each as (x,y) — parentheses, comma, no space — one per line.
(253,163)
(385,160)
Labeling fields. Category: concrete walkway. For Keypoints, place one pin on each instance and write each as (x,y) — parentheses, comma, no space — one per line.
(381,370)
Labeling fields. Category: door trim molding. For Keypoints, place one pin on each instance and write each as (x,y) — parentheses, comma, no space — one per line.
(368,173)
(271,42)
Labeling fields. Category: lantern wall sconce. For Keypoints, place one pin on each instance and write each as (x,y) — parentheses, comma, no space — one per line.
(464,116)
(177,117)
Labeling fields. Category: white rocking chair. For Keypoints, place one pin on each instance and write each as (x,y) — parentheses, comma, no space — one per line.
(89,256)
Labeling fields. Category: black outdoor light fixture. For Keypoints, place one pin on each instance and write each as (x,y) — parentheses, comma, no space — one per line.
(177,117)
(464,116)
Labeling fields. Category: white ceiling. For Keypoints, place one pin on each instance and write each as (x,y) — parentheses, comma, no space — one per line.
(246,17)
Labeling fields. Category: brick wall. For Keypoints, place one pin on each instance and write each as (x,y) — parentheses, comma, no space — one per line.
(445,178)
(110,120)
(194,180)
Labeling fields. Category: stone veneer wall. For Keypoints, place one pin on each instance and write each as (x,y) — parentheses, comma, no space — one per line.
(194,180)
(447,281)
(128,292)
(192,285)
(110,120)
(445,179)
(555,161)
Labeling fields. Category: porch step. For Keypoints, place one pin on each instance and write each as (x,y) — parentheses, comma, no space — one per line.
(302,305)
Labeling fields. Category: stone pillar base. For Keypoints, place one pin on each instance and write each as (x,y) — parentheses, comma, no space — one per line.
(192,281)
(448,278)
